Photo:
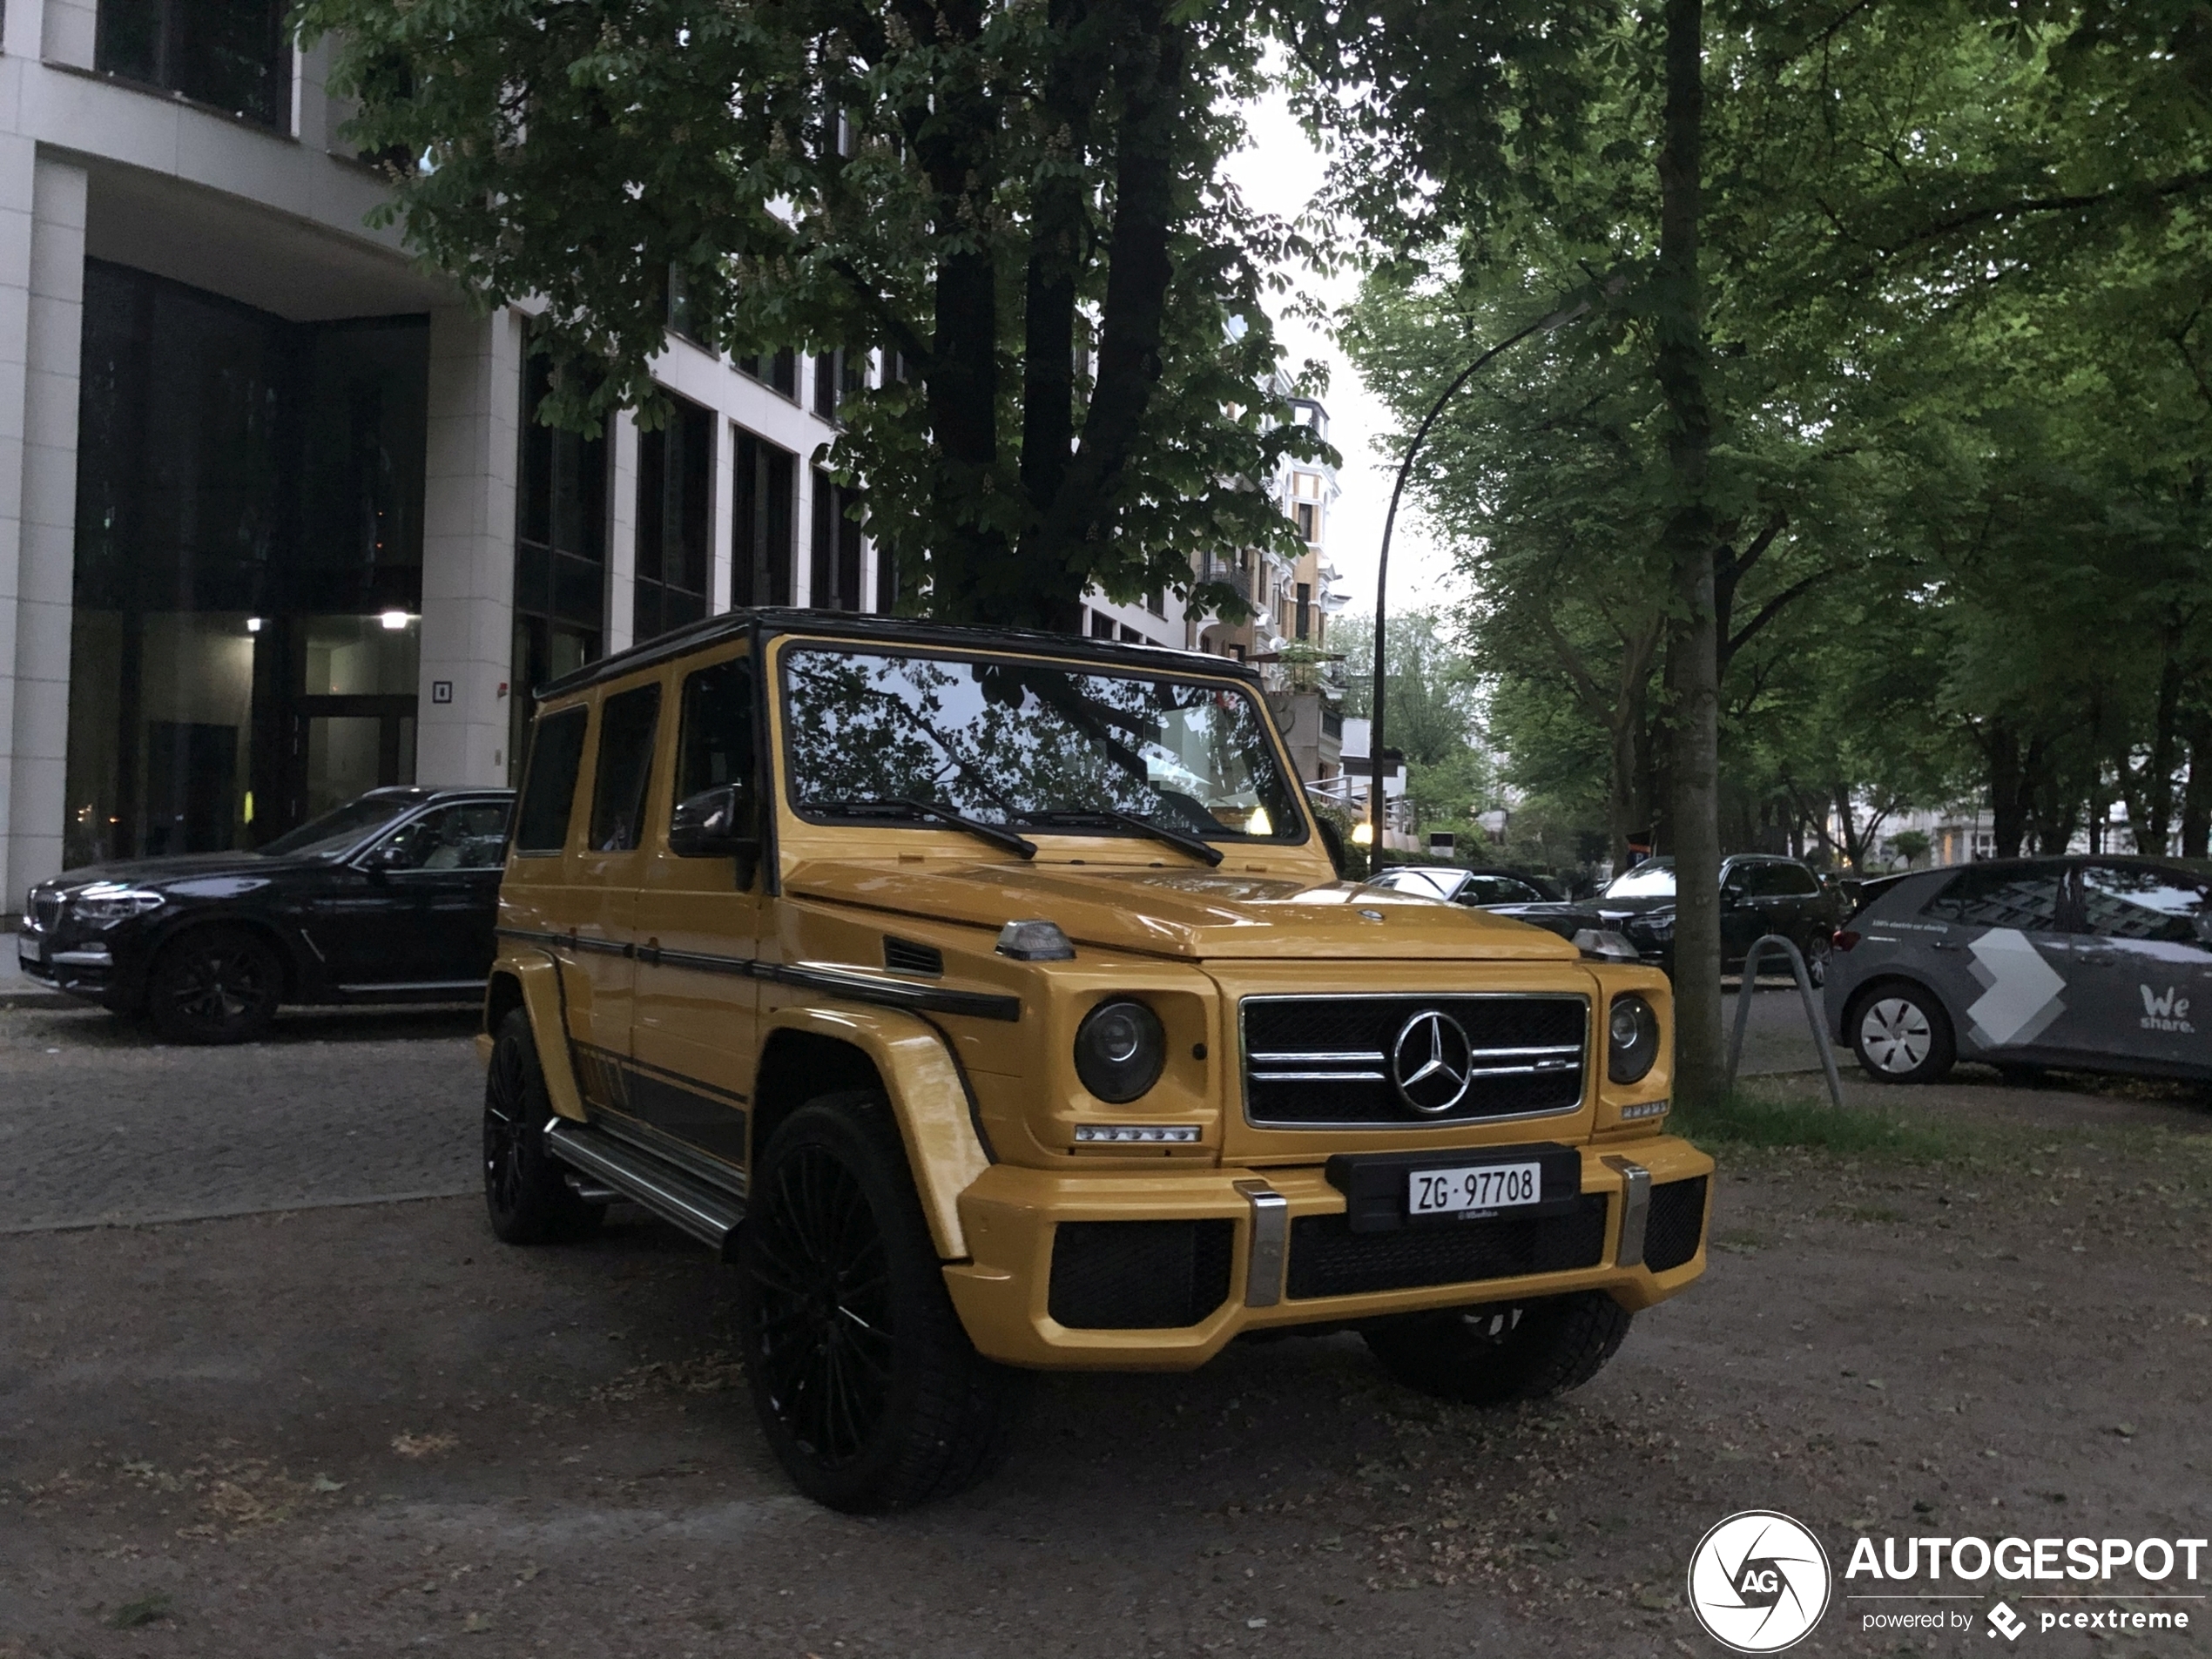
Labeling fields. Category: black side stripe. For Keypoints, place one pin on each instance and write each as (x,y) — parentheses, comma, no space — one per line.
(704,1090)
(857,985)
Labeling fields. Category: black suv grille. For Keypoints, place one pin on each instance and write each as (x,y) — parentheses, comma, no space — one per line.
(1328,1258)
(1311,1061)
(1139,1275)
(1676,1223)
(45,911)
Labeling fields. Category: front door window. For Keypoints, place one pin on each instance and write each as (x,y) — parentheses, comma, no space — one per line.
(2143,969)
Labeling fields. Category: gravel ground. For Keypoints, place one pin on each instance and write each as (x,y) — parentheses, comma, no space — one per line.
(370,1428)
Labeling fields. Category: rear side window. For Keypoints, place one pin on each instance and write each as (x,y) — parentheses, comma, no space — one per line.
(627,725)
(714,742)
(556,753)
(2001,896)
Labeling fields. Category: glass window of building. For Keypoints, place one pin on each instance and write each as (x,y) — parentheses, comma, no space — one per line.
(560,551)
(837,546)
(778,373)
(764,521)
(248,567)
(675,525)
(232,54)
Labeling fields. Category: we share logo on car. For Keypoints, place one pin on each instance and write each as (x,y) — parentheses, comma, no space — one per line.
(2165,1011)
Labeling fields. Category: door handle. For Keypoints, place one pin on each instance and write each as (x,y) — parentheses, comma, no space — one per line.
(2096,958)
(1942,944)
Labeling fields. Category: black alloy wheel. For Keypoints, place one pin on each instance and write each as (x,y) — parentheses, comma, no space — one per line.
(527,1192)
(215,984)
(1504,1351)
(866,1386)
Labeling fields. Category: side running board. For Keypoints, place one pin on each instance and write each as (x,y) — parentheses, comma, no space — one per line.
(682,1200)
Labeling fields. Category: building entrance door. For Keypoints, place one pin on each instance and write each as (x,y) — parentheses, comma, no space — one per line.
(344,746)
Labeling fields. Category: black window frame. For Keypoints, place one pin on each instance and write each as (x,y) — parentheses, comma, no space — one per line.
(836,560)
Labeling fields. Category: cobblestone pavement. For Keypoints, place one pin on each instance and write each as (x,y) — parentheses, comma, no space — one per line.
(372,1429)
(99,1124)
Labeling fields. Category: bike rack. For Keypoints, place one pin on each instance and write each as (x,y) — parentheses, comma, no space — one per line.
(1749,988)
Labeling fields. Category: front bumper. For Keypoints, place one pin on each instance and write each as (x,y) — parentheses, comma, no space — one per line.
(1005,1292)
(81,968)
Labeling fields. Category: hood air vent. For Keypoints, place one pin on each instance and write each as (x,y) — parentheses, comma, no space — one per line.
(904,956)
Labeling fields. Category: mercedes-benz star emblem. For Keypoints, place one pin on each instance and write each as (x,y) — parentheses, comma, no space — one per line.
(1432,1062)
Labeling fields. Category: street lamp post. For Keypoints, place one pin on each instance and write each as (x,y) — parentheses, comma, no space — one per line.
(1375,792)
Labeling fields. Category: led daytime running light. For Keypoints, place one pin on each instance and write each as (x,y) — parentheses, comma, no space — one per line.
(1150,1134)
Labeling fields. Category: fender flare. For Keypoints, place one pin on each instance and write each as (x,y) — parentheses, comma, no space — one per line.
(538,976)
(929,1097)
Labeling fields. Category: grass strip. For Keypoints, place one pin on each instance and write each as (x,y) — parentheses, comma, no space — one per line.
(1752,1117)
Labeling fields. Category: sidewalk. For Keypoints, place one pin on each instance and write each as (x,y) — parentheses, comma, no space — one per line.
(17,991)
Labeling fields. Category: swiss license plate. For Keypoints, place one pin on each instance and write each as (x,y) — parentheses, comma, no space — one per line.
(1474,1188)
(30,952)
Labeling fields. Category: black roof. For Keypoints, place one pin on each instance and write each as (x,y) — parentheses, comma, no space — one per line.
(879,630)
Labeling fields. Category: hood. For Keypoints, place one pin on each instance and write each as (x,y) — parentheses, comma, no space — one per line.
(1194,914)
(184,869)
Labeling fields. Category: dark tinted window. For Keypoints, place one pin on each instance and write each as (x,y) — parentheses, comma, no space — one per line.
(714,743)
(556,751)
(625,765)
(1498,889)
(1999,896)
(2131,901)
(230,53)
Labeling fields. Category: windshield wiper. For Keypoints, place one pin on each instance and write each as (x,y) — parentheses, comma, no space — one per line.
(902,808)
(1179,839)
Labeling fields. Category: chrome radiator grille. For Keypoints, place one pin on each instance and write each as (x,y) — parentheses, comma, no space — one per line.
(1398,1060)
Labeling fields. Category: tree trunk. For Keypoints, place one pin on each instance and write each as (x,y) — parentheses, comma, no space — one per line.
(2159,787)
(1694,663)
(2196,798)
(2008,788)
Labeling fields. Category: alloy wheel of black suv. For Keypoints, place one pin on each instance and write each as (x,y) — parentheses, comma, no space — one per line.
(215,984)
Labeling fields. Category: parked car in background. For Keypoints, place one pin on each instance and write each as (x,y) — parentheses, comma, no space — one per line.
(392,897)
(2095,964)
(1455,883)
(1760,893)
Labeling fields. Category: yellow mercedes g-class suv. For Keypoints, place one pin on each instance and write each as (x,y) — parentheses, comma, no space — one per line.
(991,1000)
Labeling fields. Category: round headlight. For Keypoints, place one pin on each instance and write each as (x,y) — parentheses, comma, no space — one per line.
(1119,1050)
(1632,1039)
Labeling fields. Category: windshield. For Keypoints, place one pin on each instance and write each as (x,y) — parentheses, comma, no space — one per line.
(338,830)
(1645,881)
(1028,743)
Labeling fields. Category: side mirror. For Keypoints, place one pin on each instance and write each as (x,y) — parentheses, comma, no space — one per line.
(712,824)
(384,859)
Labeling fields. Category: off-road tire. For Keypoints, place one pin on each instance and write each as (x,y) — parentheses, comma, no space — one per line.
(1924,1021)
(213,985)
(527,1191)
(868,1388)
(1506,1352)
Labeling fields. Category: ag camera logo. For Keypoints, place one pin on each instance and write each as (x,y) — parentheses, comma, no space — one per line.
(1758,1581)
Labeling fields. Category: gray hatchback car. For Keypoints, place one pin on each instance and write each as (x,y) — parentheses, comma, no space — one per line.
(2094,964)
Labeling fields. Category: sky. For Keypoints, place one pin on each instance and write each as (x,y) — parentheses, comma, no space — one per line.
(1279,172)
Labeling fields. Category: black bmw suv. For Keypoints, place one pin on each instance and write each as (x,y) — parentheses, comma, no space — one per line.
(392,897)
